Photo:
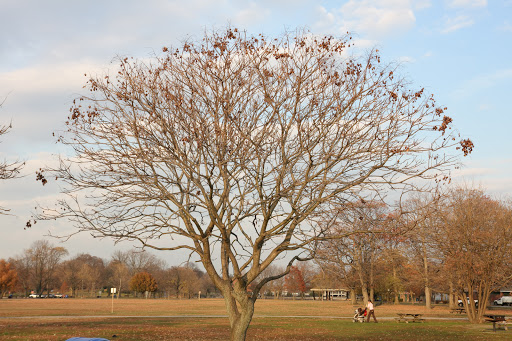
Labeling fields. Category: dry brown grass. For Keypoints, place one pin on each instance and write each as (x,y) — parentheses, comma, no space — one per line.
(160,307)
(270,322)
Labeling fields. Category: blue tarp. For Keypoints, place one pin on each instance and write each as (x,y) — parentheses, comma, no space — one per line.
(87,339)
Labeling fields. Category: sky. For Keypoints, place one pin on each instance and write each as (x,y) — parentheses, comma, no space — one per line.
(459,50)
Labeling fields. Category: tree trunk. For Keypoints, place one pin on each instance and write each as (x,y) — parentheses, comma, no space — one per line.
(372,277)
(395,285)
(428,298)
(451,297)
(239,316)
(353,296)
(364,290)
(428,301)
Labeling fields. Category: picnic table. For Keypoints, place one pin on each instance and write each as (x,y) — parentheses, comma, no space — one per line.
(458,311)
(409,318)
(500,320)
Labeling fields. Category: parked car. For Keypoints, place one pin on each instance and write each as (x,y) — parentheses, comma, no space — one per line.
(504,300)
(33,296)
(462,304)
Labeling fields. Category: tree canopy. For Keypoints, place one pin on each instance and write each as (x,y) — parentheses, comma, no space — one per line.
(227,146)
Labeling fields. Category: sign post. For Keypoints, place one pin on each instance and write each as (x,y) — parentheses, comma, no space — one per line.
(112,292)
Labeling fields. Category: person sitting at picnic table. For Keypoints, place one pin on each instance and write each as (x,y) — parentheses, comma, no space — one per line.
(371,312)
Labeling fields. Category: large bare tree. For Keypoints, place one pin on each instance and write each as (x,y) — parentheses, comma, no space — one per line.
(224,147)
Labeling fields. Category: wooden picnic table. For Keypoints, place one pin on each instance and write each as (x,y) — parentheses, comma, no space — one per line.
(409,318)
(458,311)
(497,319)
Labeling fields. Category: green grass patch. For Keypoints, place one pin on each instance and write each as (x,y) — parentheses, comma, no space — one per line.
(134,329)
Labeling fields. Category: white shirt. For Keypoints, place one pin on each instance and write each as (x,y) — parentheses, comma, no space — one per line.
(369,306)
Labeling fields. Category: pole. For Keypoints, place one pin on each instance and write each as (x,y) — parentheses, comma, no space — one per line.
(112,292)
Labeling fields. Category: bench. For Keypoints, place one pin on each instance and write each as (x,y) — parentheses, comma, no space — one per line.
(409,318)
(497,320)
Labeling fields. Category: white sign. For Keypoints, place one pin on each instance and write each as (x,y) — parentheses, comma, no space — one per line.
(113,290)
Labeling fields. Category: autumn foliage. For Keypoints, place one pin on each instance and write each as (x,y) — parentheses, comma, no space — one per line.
(294,281)
(142,282)
(8,278)
(476,245)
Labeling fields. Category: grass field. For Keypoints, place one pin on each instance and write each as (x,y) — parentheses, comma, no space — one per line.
(59,319)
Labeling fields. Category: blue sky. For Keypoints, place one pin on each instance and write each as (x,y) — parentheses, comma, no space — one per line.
(460,50)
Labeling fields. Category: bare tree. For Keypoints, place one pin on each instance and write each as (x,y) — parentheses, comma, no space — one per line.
(139,261)
(91,272)
(275,287)
(22,266)
(41,261)
(422,238)
(70,274)
(225,147)
(476,244)
(118,275)
(354,245)
(181,281)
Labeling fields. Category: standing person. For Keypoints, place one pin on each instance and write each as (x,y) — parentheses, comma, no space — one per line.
(371,312)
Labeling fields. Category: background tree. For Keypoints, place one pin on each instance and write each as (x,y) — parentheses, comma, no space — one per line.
(294,282)
(20,264)
(182,281)
(225,147)
(394,259)
(143,282)
(476,243)
(277,286)
(91,273)
(421,240)
(8,278)
(118,275)
(139,261)
(308,270)
(354,246)
(70,273)
(41,261)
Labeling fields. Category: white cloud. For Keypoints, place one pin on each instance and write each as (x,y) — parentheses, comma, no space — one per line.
(406,59)
(43,78)
(454,24)
(422,4)
(495,178)
(467,3)
(251,15)
(506,27)
(375,19)
(482,82)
